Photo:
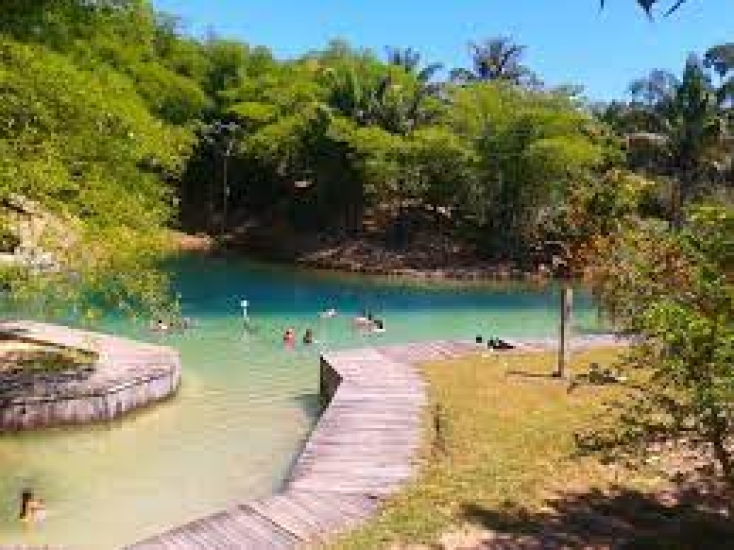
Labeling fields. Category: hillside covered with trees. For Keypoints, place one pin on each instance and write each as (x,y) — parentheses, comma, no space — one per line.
(118,122)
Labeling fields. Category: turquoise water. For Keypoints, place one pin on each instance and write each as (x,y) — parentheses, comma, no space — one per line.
(246,403)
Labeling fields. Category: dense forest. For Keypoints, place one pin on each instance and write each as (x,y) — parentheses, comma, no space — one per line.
(117,121)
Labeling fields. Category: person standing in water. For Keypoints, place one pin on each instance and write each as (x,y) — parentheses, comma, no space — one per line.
(289,337)
(245,316)
(244,304)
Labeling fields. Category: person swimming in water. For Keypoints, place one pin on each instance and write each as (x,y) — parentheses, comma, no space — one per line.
(363,321)
(308,338)
(31,509)
(159,325)
(328,314)
(378,325)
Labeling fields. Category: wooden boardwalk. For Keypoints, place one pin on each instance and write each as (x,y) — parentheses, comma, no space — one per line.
(125,375)
(363,449)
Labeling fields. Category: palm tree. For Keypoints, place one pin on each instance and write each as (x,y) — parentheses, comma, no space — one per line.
(684,122)
(406,58)
(384,99)
(414,100)
(496,59)
(721,59)
(653,88)
(410,60)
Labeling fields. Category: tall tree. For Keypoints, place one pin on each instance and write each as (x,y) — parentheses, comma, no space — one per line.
(82,148)
(683,124)
(720,58)
(410,60)
(499,58)
(530,146)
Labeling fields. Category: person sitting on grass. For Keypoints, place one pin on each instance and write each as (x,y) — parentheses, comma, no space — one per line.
(499,344)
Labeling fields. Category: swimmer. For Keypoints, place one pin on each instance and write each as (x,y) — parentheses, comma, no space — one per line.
(378,326)
(289,337)
(181,325)
(160,326)
(308,337)
(363,321)
(31,509)
(328,314)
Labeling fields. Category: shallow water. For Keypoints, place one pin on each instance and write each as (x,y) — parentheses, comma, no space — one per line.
(246,404)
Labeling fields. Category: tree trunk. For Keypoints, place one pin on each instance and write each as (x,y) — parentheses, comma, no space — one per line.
(676,214)
(721,452)
(212,202)
(564,352)
(225,194)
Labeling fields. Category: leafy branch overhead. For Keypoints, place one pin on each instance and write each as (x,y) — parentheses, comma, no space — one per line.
(650,5)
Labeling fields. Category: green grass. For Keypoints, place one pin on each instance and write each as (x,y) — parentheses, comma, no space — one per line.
(45,359)
(508,444)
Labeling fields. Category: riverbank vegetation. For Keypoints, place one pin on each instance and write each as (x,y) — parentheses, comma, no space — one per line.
(119,123)
(510,475)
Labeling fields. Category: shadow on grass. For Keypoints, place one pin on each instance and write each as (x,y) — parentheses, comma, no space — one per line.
(536,375)
(625,519)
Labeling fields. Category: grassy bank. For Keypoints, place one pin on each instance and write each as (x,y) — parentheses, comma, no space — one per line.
(506,456)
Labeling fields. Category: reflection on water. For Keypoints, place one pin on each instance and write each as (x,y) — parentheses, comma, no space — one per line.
(246,403)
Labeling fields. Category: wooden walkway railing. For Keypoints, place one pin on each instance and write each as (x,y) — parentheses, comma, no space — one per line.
(363,449)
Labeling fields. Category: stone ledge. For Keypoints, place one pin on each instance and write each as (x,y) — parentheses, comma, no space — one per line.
(126,375)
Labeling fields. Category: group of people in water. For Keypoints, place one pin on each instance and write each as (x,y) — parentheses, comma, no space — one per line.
(289,337)
(162,326)
(368,322)
(364,322)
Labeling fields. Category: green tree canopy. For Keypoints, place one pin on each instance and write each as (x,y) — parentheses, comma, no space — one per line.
(84,148)
(530,146)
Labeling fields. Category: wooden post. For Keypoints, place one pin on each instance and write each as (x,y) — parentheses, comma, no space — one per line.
(564,352)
